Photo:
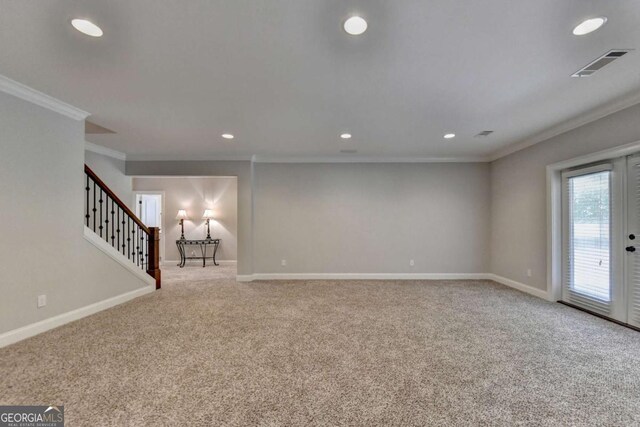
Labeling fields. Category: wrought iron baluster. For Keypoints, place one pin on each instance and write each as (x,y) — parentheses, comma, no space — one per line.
(124,230)
(146,249)
(87,216)
(94,206)
(100,201)
(106,216)
(141,248)
(137,245)
(118,229)
(133,240)
(128,238)
(139,213)
(113,236)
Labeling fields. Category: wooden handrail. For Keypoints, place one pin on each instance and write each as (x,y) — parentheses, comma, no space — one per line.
(115,198)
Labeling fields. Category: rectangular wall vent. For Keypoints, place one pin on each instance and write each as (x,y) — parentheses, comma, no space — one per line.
(484,134)
(596,65)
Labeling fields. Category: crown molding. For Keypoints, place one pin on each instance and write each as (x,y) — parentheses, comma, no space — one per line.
(33,96)
(571,124)
(99,149)
(170,158)
(363,159)
(308,159)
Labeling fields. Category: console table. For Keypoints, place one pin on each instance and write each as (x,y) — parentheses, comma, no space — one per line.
(182,245)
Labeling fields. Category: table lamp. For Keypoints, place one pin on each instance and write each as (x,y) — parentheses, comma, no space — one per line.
(182,215)
(208,215)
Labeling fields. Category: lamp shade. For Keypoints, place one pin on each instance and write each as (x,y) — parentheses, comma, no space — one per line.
(208,214)
(182,214)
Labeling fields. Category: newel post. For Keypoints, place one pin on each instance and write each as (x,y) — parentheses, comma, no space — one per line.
(153,269)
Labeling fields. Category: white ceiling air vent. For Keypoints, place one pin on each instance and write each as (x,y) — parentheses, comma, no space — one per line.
(605,59)
(484,134)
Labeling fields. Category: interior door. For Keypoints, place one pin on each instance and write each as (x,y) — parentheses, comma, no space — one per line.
(632,240)
(593,262)
(149,210)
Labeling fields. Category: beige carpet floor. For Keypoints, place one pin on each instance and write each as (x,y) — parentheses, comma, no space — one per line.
(208,351)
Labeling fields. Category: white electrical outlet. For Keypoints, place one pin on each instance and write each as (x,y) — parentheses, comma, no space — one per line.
(412,262)
(283,262)
(529,272)
(42,300)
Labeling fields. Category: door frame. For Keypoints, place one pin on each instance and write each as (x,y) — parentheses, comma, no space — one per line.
(162,220)
(554,210)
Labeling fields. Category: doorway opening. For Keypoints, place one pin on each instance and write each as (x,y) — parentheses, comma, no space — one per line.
(198,220)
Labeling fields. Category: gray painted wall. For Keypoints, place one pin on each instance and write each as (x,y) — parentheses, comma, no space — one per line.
(196,194)
(372,218)
(42,250)
(363,218)
(518,197)
(112,172)
(243,170)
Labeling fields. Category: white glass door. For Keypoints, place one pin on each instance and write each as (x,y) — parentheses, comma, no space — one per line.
(592,263)
(632,241)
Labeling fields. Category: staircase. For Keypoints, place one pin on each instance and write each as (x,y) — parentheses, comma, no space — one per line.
(111,219)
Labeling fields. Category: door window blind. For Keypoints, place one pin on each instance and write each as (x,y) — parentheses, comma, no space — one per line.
(587,238)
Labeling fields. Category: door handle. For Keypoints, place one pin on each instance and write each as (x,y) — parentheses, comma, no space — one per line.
(630,248)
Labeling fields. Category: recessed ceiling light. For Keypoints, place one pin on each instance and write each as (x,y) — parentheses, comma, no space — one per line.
(87,27)
(589,26)
(355,25)
(345,136)
(450,135)
(227,136)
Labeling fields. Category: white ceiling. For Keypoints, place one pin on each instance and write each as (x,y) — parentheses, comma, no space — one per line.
(282,75)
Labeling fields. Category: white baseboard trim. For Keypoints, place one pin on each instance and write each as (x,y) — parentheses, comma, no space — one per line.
(396,276)
(521,287)
(362,276)
(105,247)
(28,331)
